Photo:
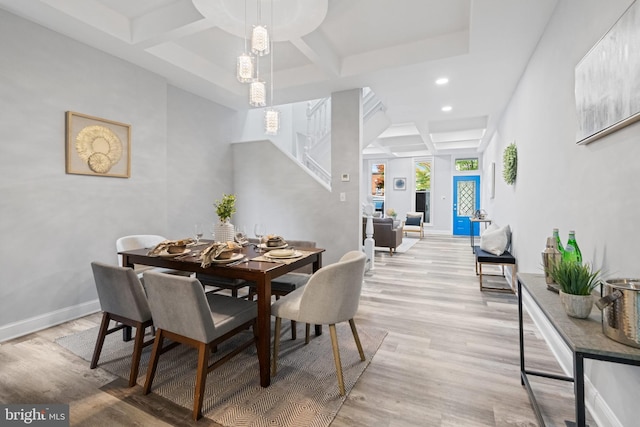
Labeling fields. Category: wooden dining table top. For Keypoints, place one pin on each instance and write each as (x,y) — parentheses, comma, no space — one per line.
(244,270)
(261,272)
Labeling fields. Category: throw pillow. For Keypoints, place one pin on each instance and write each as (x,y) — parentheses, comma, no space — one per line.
(412,221)
(495,240)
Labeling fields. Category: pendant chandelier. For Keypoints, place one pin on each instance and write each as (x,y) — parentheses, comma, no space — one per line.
(257,93)
(245,65)
(260,35)
(248,69)
(271,115)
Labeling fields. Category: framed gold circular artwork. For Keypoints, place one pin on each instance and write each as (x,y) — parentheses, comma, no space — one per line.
(97,146)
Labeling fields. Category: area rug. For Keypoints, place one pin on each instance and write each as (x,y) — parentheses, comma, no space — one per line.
(407,243)
(303,393)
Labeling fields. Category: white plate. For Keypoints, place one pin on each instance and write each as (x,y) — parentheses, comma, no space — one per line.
(234,257)
(275,255)
(270,248)
(165,254)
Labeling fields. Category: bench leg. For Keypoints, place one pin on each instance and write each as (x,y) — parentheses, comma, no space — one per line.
(509,289)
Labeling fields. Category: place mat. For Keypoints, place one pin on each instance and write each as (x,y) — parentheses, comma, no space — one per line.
(304,392)
(264,258)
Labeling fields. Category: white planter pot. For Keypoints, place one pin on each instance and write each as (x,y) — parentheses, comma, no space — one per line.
(223,232)
(578,306)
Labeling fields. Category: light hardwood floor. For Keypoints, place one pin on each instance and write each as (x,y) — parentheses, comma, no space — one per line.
(450,357)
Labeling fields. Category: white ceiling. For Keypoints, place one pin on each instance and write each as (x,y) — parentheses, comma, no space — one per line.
(397,48)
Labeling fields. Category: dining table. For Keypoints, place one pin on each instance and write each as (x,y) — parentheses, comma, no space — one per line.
(254,266)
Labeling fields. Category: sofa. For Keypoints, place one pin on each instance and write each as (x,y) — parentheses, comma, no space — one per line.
(386,233)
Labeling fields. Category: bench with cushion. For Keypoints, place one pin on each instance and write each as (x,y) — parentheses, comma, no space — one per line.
(493,249)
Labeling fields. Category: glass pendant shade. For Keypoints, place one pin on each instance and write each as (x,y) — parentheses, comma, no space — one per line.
(271,121)
(257,94)
(260,40)
(245,68)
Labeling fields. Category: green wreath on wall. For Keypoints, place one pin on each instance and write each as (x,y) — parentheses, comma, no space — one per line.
(510,161)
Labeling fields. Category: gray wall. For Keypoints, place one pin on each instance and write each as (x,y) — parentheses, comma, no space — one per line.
(591,189)
(45,213)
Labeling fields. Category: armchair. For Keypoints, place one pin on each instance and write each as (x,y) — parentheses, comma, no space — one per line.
(385,234)
(414,223)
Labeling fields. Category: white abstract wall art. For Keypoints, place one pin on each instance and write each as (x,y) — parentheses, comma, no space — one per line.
(607,80)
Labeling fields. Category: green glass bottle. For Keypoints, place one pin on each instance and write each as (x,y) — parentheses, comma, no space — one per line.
(572,251)
(556,236)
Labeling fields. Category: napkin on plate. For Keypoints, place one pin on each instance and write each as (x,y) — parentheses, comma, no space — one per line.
(273,240)
(166,244)
(216,249)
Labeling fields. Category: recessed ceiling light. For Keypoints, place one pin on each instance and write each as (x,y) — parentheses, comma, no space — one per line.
(447,108)
(442,81)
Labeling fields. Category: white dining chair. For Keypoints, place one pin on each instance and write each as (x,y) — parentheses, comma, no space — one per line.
(141,241)
(331,296)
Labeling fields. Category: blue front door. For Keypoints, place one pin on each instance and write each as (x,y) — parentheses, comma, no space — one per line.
(466,200)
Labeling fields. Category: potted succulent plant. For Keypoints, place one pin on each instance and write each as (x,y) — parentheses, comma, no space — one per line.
(576,282)
(225,208)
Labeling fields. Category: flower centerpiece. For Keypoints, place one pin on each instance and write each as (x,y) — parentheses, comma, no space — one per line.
(225,208)
(576,282)
(392,213)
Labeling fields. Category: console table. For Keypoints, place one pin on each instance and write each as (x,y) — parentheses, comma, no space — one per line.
(472,222)
(583,336)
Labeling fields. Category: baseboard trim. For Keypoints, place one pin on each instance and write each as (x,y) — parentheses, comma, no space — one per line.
(598,408)
(46,320)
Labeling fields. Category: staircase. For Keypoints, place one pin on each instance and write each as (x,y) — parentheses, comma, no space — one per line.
(316,153)
(307,136)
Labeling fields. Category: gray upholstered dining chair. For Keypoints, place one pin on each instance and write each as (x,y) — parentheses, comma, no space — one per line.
(122,299)
(141,241)
(331,296)
(183,313)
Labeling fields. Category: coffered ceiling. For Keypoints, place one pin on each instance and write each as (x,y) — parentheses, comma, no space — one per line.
(397,48)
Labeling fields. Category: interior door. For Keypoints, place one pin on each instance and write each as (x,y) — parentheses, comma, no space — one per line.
(466,200)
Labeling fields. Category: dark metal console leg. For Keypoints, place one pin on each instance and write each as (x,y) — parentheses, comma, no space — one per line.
(578,384)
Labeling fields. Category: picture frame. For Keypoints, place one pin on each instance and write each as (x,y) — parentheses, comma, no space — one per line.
(492,180)
(607,86)
(400,184)
(97,146)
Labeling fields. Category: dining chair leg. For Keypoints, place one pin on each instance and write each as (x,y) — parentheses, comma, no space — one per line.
(293,330)
(137,353)
(201,379)
(336,357)
(153,362)
(276,346)
(104,326)
(307,333)
(352,323)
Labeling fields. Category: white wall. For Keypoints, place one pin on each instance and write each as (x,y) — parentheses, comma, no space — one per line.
(273,189)
(46,213)
(590,189)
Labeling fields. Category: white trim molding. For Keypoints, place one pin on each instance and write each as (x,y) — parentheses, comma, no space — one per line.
(46,320)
